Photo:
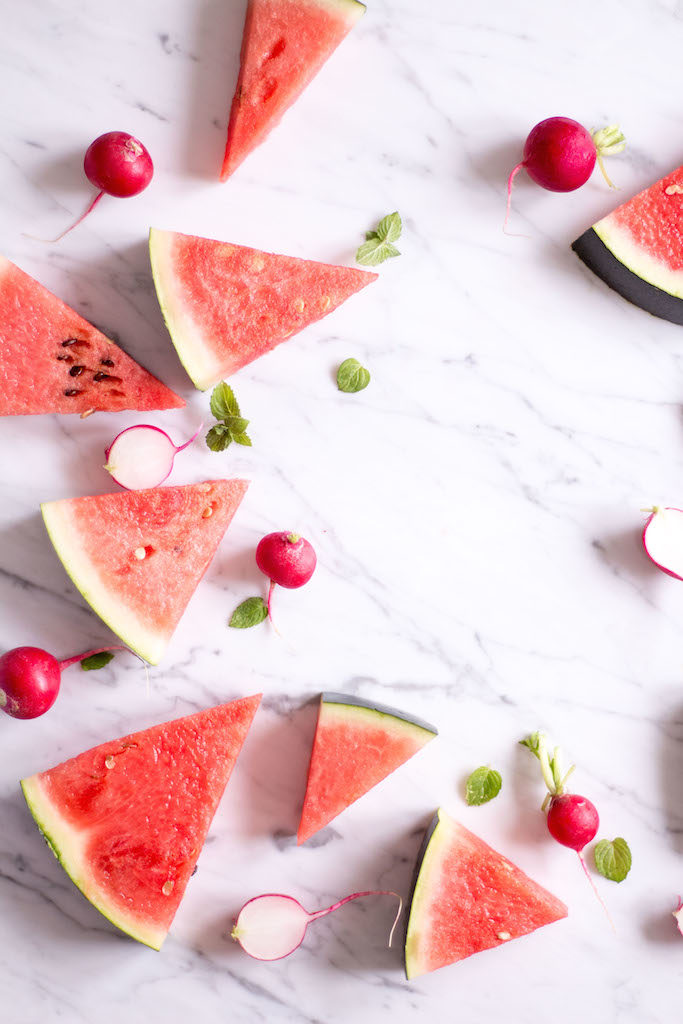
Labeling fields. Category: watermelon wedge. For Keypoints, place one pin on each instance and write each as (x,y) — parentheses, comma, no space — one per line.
(52,360)
(225,305)
(467,898)
(356,745)
(137,556)
(285,44)
(127,820)
(638,249)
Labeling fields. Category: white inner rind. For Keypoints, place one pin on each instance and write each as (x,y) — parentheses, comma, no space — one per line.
(69,847)
(621,244)
(145,640)
(664,539)
(421,897)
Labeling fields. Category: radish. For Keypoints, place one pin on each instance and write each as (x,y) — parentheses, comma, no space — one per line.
(287,559)
(560,154)
(272,926)
(663,539)
(118,165)
(678,916)
(142,456)
(30,679)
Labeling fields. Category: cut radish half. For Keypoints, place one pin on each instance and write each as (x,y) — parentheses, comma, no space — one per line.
(272,926)
(678,915)
(663,540)
(142,456)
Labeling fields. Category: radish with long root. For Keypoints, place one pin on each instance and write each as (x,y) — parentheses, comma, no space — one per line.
(288,560)
(142,456)
(273,926)
(30,679)
(572,820)
(560,154)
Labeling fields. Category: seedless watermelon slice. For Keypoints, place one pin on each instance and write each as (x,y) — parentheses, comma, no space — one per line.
(52,360)
(137,556)
(467,898)
(127,820)
(285,44)
(225,305)
(356,745)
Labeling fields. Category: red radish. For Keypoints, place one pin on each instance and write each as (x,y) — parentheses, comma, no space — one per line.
(663,539)
(560,154)
(142,456)
(30,679)
(118,165)
(287,559)
(272,926)
(678,916)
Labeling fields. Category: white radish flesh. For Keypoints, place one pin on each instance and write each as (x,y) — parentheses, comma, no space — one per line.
(663,540)
(142,457)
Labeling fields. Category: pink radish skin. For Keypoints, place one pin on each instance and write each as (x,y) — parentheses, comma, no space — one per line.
(572,820)
(273,926)
(678,916)
(142,456)
(30,679)
(663,540)
(287,559)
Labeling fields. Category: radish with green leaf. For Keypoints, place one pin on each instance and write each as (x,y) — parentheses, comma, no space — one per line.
(30,678)
(142,456)
(288,560)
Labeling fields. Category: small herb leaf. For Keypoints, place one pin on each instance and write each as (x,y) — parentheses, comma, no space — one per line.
(249,613)
(218,438)
(236,424)
(96,661)
(352,377)
(231,426)
(223,402)
(613,859)
(377,246)
(483,785)
(389,228)
(242,439)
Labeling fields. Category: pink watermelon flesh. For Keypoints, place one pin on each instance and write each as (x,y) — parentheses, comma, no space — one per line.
(225,304)
(128,819)
(285,43)
(467,898)
(137,556)
(653,221)
(356,745)
(52,360)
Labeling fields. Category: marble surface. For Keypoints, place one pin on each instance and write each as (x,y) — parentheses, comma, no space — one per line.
(475,511)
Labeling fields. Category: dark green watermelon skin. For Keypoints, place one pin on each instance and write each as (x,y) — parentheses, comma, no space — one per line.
(381,709)
(590,248)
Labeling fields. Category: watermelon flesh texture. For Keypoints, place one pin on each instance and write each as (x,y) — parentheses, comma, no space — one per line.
(467,898)
(137,556)
(225,305)
(54,361)
(356,745)
(127,820)
(285,44)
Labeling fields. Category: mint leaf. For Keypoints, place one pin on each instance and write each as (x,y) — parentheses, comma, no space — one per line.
(223,402)
(236,424)
(370,253)
(218,438)
(249,613)
(352,377)
(231,426)
(96,661)
(242,439)
(389,228)
(483,785)
(613,859)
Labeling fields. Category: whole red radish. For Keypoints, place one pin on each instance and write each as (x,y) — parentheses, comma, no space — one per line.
(30,679)
(286,559)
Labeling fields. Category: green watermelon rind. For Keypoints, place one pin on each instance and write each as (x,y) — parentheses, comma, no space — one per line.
(63,841)
(148,643)
(617,238)
(349,701)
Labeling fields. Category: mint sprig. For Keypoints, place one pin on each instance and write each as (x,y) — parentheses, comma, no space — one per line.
(96,661)
(483,785)
(613,859)
(231,426)
(352,377)
(378,245)
(250,613)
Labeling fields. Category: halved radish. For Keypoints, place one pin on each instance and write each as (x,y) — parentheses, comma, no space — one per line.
(663,540)
(142,456)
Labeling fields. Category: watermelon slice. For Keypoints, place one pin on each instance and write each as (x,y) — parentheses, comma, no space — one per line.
(127,820)
(285,44)
(356,745)
(638,249)
(52,360)
(137,556)
(225,305)
(466,898)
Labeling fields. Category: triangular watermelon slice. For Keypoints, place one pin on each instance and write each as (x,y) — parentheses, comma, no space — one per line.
(127,820)
(225,305)
(356,745)
(137,556)
(285,44)
(467,898)
(52,360)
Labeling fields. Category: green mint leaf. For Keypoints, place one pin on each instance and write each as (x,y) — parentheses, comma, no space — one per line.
(249,613)
(223,402)
(218,438)
(483,785)
(242,439)
(389,228)
(352,377)
(236,424)
(613,859)
(96,661)
(370,253)
(369,235)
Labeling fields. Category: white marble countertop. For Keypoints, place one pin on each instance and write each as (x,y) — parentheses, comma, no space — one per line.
(475,511)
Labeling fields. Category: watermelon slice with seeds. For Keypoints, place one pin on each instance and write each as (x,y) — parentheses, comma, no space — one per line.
(357,744)
(285,44)
(225,305)
(52,360)
(137,556)
(127,820)
(467,898)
